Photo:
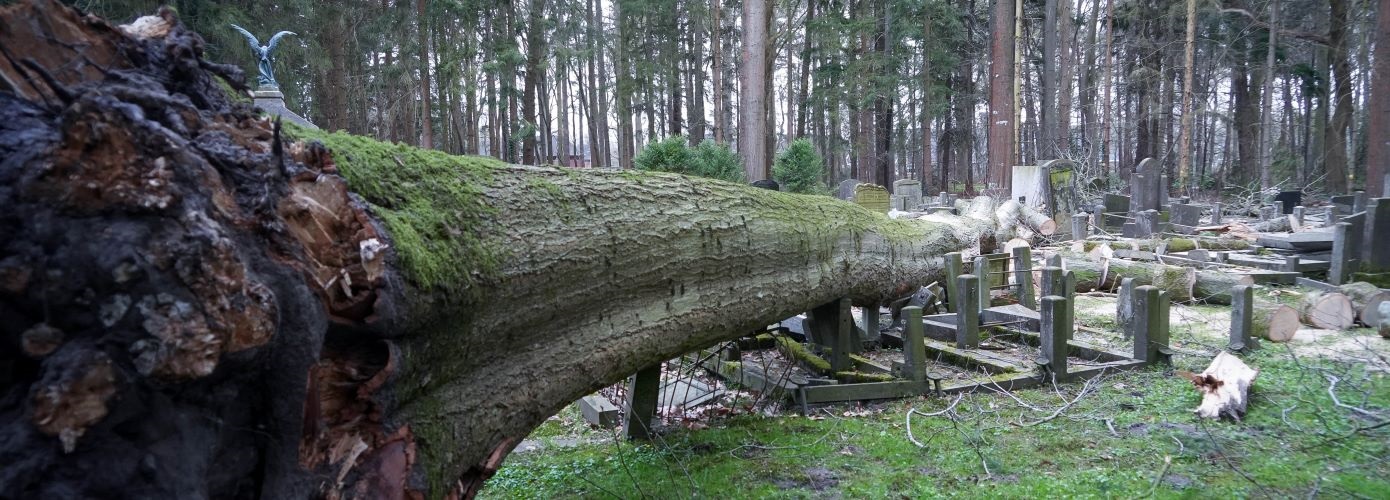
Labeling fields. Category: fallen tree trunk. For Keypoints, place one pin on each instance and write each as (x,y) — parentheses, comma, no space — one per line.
(1165,245)
(1365,301)
(1183,284)
(1015,218)
(1278,224)
(206,308)
(1274,322)
(1328,310)
(1224,385)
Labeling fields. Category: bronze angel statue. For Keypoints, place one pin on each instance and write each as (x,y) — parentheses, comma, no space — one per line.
(262,52)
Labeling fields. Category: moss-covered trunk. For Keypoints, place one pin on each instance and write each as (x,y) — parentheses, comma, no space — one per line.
(197,307)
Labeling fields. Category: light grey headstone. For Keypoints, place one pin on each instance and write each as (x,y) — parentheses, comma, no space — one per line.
(846,190)
(910,190)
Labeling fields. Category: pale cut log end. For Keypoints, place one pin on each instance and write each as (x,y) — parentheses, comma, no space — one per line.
(1225,387)
(1330,310)
(1283,324)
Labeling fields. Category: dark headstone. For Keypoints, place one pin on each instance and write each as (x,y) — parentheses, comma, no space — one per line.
(1377,232)
(767,184)
(1290,199)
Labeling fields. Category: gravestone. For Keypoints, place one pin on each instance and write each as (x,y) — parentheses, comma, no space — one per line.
(846,190)
(1340,261)
(1185,217)
(1216,213)
(1146,186)
(1358,202)
(1344,203)
(968,312)
(1377,232)
(1055,326)
(872,197)
(1333,216)
(1023,275)
(1290,199)
(1146,224)
(767,184)
(598,410)
(1061,191)
(643,396)
(1116,205)
(1242,317)
(910,190)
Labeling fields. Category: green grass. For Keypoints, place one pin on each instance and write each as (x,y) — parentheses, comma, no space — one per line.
(1292,439)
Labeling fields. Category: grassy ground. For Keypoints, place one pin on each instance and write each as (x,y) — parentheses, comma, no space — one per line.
(1130,435)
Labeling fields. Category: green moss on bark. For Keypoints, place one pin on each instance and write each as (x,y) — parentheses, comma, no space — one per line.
(431,202)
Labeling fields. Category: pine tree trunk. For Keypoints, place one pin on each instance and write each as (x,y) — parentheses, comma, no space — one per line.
(421,30)
(1336,132)
(1378,108)
(752,110)
(1001,95)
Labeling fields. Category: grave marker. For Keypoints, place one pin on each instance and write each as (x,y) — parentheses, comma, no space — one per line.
(968,314)
(1146,224)
(1023,276)
(643,395)
(1185,218)
(1146,187)
(914,351)
(1242,317)
(954,267)
(846,189)
(986,281)
(1148,324)
(1078,226)
(910,190)
(1216,213)
(1358,202)
(1340,261)
(872,197)
(1377,231)
(1053,281)
(1055,326)
(1124,309)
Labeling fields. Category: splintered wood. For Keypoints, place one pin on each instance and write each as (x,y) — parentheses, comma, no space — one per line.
(1225,387)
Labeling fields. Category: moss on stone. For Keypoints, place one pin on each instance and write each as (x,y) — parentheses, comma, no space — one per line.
(431,202)
(799,352)
(847,377)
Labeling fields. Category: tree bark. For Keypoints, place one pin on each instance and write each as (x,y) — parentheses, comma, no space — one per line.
(1001,95)
(254,316)
(1189,61)
(1182,283)
(752,110)
(427,125)
(1378,109)
(1336,132)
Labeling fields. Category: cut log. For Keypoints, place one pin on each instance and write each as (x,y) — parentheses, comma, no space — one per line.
(1183,284)
(1327,310)
(1365,301)
(1165,245)
(218,294)
(1278,224)
(1274,322)
(1224,385)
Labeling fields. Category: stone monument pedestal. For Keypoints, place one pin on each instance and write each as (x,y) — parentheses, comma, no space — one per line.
(273,102)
